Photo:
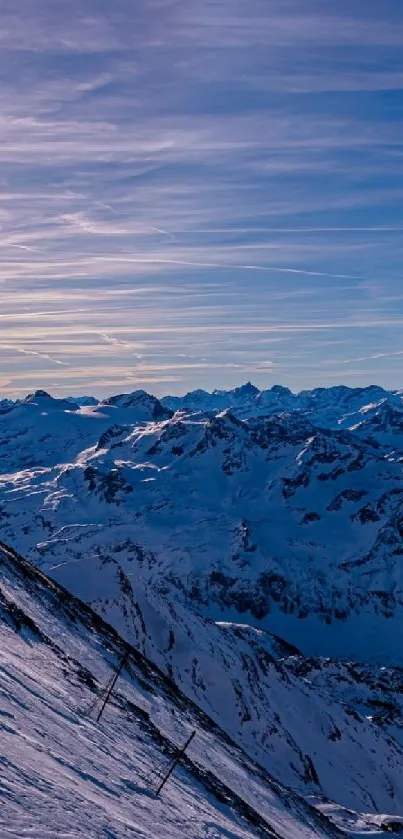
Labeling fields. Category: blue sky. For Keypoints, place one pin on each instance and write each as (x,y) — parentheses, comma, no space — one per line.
(200,192)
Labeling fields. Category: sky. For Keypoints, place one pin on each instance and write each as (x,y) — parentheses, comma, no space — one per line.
(197,193)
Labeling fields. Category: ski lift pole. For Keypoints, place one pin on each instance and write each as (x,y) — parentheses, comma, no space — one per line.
(175,763)
(110,689)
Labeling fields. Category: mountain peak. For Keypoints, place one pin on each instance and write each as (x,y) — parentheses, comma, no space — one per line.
(39,394)
(149,406)
(43,398)
(247,390)
(281,390)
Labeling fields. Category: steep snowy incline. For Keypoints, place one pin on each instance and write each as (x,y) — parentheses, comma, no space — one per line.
(385,425)
(64,775)
(373,691)
(241,678)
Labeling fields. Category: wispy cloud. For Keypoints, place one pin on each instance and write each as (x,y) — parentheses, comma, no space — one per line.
(372,357)
(194,192)
(24,351)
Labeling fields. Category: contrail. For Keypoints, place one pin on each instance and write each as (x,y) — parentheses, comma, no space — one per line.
(24,351)
(21,247)
(371,357)
(25,315)
(220,230)
(165,233)
(269,268)
(116,342)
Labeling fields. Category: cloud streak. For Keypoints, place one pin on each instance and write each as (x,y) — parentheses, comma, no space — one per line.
(147,147)
(44,356)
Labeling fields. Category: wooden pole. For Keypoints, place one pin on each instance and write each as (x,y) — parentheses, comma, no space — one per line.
(175,763)
(113,683)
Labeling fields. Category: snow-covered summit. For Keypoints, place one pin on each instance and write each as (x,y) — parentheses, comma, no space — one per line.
(46,402)
(146,407)
(83,401)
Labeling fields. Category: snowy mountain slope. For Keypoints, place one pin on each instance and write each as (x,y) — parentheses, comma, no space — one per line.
(64,775)
(385,425)
(296,529)
(33,423)
(373,691)
(235,675)
(43,431)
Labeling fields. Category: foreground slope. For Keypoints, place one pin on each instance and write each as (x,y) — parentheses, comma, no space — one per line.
(63,775)
(239,676)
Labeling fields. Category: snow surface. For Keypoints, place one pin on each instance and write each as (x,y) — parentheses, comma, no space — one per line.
(63,775)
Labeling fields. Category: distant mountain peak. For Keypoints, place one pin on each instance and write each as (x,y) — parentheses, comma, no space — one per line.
(39,394)
(83,401)
(281,390)
(45,399)
(247,389)
(140,399)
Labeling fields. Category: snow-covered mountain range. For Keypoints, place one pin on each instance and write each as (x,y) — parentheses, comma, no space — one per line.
(289,521)
(204,527)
